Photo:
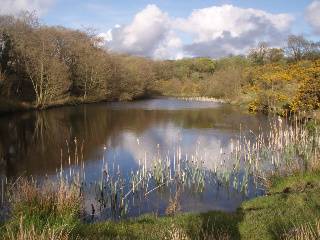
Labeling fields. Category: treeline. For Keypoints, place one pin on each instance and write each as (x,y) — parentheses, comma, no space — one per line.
(200,77)
(280,80)
(42,66)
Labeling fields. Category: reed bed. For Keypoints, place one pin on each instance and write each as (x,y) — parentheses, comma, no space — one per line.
(288,148)
(285,149)
(202,99)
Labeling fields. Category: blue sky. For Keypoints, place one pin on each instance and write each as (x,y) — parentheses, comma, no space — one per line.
(177,28)
(104,14)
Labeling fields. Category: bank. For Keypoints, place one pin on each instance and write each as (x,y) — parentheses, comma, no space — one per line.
(290,210)
(243,103)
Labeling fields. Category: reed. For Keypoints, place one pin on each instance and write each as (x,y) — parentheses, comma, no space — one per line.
(46,210)
(285,149)
(202,99)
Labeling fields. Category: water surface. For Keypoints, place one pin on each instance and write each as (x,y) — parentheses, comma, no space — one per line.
(124,135)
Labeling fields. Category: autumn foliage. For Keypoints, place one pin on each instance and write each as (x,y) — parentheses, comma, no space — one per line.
(42,66)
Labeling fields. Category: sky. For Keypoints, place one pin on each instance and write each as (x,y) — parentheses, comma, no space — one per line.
(174,29)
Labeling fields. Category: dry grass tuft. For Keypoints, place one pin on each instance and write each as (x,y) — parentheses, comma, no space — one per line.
(30,233)
(304,232)
(52,196)
(49,210)
(177,233)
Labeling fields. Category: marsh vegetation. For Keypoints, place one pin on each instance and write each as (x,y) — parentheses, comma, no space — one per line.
(255,162)
(187,168)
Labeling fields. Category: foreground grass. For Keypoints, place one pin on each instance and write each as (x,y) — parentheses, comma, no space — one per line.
(46,211)
(291,203)
(291,210)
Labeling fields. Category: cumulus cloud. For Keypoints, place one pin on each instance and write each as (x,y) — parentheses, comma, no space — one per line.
(313,16)
(170,48)
(215,31)
(14,7)
(149,34)
(221,30)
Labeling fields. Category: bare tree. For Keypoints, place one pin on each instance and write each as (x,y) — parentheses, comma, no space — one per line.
(258,55)
(299,48)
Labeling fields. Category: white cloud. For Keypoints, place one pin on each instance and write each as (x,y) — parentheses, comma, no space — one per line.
(210,23)
(215,31)
(14,7)
(108,35)
(149,31)
(313,16)
(221,30)
(170,48)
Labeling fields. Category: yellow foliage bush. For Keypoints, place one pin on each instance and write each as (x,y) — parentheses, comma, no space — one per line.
(281,87)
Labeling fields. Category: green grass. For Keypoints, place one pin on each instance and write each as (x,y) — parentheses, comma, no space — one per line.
(195,226)
(291,201)
(52,207)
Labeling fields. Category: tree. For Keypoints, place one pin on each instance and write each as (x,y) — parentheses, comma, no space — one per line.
(299,48)
(258,55)
(48,75)
(274,55)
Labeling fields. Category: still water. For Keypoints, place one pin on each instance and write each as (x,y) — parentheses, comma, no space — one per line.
(121,137)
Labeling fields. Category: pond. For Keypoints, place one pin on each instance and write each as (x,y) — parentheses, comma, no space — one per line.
(151,156)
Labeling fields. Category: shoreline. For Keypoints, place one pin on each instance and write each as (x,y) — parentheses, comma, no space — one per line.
(11,107)
(290,204)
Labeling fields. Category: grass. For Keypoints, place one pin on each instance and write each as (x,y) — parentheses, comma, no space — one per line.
(290,210)
(42,211)
(305,231)
(31,233)
(210,225)
(292,201)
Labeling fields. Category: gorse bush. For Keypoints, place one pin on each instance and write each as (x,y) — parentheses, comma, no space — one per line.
(42,66)
(285,87)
